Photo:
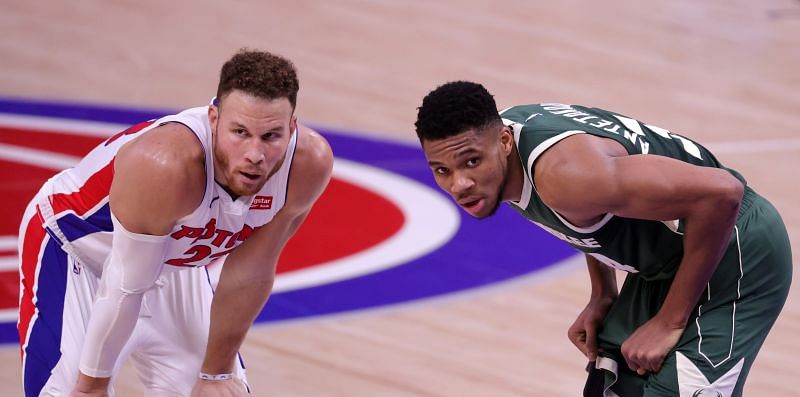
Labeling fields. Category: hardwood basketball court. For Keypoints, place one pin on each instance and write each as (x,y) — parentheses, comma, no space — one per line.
(724,73)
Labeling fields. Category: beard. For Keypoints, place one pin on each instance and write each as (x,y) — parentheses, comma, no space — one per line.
(500,190)
(497,201)
(222,163)
(498,198)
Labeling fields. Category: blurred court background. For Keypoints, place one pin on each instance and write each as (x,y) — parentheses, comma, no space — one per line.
(726,73)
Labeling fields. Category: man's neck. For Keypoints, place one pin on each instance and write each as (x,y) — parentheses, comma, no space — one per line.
(514,177)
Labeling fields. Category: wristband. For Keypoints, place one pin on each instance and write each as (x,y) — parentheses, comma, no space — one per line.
(205,376)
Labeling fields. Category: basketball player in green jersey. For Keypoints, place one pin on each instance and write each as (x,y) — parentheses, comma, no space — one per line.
(708,259)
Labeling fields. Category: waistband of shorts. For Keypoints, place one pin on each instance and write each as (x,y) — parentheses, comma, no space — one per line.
(49,221)
(748,199)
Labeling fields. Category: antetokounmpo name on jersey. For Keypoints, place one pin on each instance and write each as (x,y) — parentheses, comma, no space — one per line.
(209,238)
(632,131)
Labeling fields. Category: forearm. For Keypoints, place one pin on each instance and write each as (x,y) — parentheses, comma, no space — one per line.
(603,279)
(134,265)
(244,286)
(706,238)
(112,322)
(233,310)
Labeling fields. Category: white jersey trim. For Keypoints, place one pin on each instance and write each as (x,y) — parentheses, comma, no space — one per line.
(529,186)
(733,314)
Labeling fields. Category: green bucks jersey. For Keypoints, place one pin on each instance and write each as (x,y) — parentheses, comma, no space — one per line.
(651,248)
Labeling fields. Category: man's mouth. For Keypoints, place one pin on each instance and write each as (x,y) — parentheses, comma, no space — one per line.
(472,205)
(250,176)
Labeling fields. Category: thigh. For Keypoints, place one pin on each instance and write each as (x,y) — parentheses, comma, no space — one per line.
(705,358)
(173,331)
(54,310)
(730,323)
(733,319)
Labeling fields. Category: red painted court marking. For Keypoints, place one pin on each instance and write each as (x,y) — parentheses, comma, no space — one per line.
(345,220)
(9,290)
(20,184)
(56,142)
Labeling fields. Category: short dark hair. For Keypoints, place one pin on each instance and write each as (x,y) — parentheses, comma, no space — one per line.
(261,74)
(453,108)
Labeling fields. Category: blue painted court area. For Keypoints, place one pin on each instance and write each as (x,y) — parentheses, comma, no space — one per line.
(481,252)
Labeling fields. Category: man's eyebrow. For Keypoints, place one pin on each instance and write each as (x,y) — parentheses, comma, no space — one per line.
(460,154)
(239,125)
(466,151)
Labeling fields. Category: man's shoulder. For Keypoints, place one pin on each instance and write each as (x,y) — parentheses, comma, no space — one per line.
(312,166)
(313,153)
(168,158)
(158,178)
(173,141)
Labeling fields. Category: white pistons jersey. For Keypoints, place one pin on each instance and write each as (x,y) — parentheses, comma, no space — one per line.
(74,203)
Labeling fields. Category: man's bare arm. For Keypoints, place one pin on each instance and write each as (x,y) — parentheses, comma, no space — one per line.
(249,271)
(158,178)
(584,177)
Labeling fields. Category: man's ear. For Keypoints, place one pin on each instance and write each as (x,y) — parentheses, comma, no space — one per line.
(507,140)
(213,116)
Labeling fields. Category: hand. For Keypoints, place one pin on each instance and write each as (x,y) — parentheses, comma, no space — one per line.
(219,388)
(97,393)
(583,332)
(88,386)
(646,348)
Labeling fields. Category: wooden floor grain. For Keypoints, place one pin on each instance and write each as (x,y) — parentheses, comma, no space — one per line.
(723,72)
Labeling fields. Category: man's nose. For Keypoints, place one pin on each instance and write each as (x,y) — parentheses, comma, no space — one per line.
(254,154)
(462,183)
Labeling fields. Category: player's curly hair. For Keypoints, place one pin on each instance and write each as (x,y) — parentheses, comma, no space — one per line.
(453,108)
(261,74)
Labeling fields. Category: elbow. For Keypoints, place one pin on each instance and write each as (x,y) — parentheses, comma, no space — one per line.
(731,195)
(235,283)
(262,284)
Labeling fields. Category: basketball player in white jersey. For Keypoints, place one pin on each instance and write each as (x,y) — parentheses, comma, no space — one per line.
(113,251)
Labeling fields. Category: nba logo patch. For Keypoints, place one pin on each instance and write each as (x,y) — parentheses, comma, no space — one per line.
(261,203)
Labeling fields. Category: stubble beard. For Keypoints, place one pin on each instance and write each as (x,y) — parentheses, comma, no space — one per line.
(498,200)
(222,162)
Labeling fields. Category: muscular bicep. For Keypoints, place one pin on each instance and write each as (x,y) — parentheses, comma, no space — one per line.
(662,188)
(590,176)
(158,178)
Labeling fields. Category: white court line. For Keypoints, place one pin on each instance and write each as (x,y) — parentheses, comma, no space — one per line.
(8,316)
(9,263)
(36,157)
(569,265)
(52,124)
(103,130)
(762,145)
(8,243)
(57,161)
(430,222)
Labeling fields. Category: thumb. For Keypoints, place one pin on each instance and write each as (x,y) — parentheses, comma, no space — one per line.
(591,344)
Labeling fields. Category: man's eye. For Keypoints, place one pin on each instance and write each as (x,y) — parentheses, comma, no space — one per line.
(473,162)
(441,170)
(239,131)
